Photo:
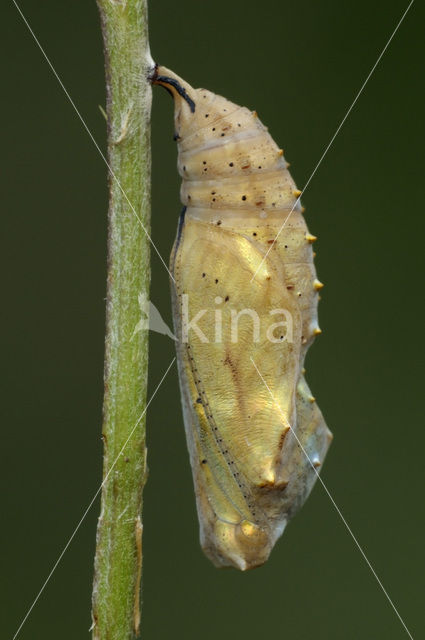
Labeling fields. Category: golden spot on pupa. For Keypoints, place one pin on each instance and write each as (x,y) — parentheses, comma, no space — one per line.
(248,528)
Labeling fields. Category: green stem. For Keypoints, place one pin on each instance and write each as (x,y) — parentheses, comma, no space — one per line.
(118,560)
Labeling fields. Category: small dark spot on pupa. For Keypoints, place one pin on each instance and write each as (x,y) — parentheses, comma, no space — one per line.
(290,286)
(216,280)
(254,234)
(206,115)
(239,124)
(218,223)
(213,199)
(204,162)
(199,400)
(230,164)
(204,461)
(260,167)
(286,246)
(226,298)
(222,135)
(205,169)
(213,193)
(184,168)
(203,275)
(189,197)
(213,128)
(243,197)
(270,241)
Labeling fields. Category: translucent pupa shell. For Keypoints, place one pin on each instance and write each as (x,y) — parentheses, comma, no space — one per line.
(255,434)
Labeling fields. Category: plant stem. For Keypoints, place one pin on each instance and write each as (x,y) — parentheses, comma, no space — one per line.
(118,560)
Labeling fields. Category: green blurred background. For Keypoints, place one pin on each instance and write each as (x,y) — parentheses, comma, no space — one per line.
(299,64)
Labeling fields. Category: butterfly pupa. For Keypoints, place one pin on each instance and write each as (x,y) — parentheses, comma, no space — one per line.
(244,294)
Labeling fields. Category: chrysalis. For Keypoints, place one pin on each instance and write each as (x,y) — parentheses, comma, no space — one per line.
(245,296)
